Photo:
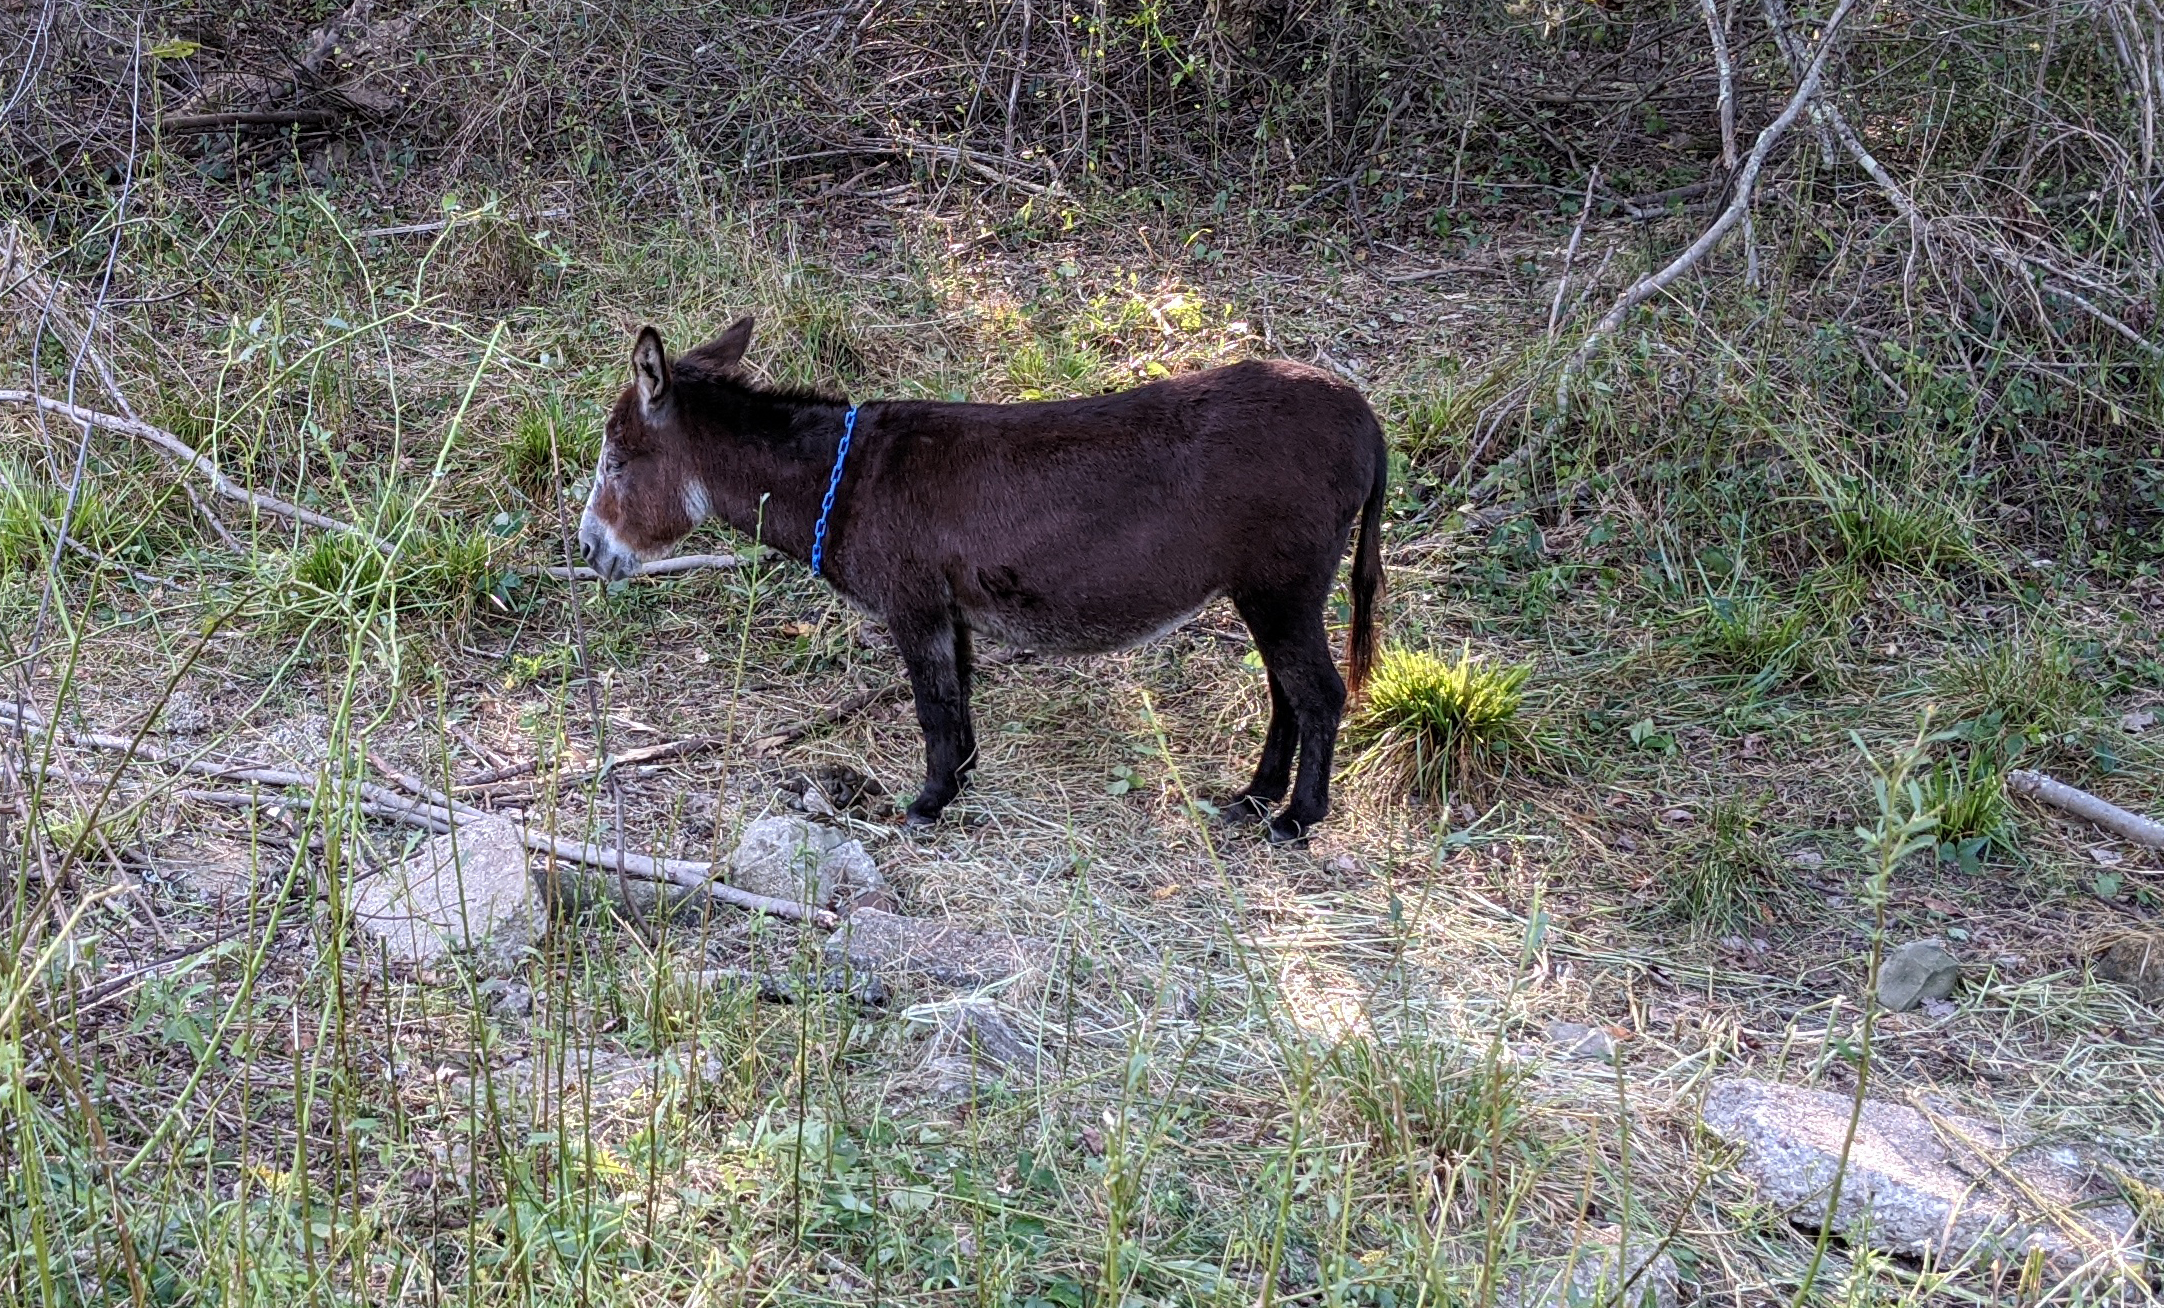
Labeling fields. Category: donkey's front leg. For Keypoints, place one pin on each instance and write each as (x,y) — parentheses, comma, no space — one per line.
(932,652)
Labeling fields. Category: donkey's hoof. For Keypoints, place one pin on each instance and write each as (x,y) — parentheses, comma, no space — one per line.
(1287,831)
(920,819)
(1241,810)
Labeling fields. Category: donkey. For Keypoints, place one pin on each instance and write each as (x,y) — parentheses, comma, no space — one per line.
(1069,527)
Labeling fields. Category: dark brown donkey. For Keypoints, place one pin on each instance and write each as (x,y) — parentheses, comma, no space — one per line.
(1074,527)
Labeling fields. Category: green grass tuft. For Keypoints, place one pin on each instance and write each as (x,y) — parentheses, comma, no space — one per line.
(547,436)
(1968,796)
(1425,1098)
(2028,685)
(1882,532)
(1725,875)
(1443,721)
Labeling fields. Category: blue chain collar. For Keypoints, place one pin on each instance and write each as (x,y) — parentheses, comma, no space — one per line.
(834,482)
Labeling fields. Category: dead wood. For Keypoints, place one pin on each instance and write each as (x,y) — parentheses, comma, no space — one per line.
(2130,827)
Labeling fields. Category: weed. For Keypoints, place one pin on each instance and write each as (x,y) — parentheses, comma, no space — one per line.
(1968,794)
(1056,369)
(1752,634)
(1442,721)
(1425,1097)
(30,513)
(1725,875)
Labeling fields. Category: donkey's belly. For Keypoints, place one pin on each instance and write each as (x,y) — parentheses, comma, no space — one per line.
(1080,628)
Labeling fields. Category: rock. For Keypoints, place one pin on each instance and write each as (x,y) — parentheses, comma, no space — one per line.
(2136,959)
(1917,971)
(1953,1192)
(572,1080)
(468,895)
(1600,1272)
(873,940)
(976,1044)
(790,858)
(2136,722)
(1577,1040)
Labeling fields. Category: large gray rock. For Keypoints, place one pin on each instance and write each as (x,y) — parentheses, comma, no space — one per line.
(1600,1273)
(1918,971)
(1952,1188)
(467,895)
(875,941)
(790,858)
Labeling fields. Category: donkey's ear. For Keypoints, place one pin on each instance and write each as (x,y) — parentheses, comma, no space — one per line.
(727,349)
(650,367)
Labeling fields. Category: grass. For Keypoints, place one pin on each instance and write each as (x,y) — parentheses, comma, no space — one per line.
(1918,533)
(2026,684)
(1440,723)
(1725,875)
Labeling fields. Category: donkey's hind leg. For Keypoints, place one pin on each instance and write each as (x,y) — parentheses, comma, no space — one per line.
(934,650)
(1296,650)
(1273,771)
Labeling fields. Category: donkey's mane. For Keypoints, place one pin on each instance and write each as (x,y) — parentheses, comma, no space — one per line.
(697,373)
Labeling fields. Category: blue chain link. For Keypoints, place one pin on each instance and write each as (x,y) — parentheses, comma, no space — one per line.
(826,506)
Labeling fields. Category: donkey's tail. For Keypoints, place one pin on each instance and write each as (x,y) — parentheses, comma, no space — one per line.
(1367,576)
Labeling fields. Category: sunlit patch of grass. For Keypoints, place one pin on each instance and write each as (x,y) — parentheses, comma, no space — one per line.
(1725,874)
(1055,369)
(1442,721)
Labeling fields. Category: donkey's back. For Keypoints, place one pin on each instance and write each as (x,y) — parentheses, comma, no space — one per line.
(1079,526)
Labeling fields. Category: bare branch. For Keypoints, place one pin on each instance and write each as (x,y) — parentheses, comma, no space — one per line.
(191,461)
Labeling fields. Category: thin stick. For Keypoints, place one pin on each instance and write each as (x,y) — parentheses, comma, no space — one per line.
(184,124)
(381,802)
(1718,32)
(657,568)
(2130,827)
(1570,252)
(191,462)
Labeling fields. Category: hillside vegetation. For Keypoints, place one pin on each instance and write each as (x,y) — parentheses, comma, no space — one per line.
(1776,405)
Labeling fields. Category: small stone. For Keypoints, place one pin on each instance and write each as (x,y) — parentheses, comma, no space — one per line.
(1678,817)
(1600,1271)
(2106,855)
(1947,1189)
(467,894)
(873,940)
(1808,859)
(2137,722)
(1917,971)
(2136,959)
(1577,1040)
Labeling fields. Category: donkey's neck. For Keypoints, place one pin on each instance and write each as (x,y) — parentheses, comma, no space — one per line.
(767,478)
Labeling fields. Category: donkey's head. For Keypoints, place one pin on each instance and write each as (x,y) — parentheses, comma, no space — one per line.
(647,491)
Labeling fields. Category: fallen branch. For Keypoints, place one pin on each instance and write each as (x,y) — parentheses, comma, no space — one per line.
(382,802)
(2130,827)
(186,124)
(191,461)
